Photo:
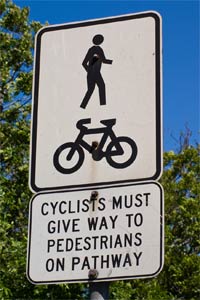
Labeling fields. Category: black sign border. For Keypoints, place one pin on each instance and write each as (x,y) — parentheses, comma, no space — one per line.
(158,173)
(101,279)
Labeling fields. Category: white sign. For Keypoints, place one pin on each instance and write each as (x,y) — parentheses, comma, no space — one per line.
(116,235)
(97,103)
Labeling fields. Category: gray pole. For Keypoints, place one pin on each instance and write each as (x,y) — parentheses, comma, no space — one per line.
(99,290)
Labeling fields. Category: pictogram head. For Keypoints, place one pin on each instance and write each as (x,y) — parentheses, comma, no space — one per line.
(98,39)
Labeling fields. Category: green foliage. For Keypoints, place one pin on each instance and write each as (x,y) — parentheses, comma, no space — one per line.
(121,290)
(16,58)
(180,276)
(16,46)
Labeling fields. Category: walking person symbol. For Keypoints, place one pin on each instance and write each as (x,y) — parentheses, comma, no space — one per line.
(92,64)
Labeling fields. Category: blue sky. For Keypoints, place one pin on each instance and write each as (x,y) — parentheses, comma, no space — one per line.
(180,51)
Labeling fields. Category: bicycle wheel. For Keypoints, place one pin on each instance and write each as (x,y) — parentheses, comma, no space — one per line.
(64,165)
(117,161)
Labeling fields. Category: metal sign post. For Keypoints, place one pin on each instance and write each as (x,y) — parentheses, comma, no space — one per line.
(99,291)
(96,151)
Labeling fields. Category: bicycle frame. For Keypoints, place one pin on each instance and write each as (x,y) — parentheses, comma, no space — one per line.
(97,152)
(114,147)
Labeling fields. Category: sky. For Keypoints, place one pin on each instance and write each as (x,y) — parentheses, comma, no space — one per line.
(180,36)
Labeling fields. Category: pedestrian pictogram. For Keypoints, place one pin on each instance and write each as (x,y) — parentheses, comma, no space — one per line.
(92,64)
(97,103)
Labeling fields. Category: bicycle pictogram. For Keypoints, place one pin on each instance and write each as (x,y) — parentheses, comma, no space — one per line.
(115,148)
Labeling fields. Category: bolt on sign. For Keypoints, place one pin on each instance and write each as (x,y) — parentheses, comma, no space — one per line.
(96,116)
(111,233)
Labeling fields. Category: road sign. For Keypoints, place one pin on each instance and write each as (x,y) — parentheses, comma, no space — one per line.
(97,103)
(102,234)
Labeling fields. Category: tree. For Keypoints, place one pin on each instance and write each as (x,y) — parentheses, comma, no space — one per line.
(16,59)
(179,278)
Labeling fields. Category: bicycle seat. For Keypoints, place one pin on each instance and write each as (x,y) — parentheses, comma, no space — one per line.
(81,123)
(109,122)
